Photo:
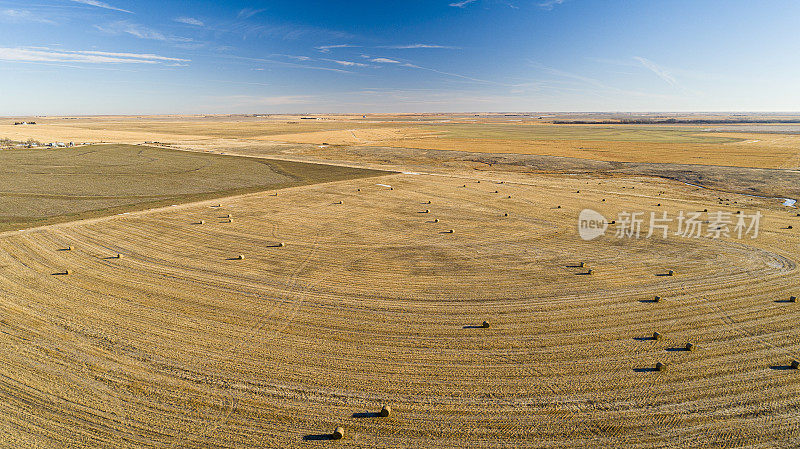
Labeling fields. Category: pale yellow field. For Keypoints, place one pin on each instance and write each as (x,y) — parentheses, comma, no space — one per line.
(366,304)
(743,149)
(371,302)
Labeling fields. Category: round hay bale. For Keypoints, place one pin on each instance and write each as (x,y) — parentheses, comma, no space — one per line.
(358,190)
(690,346)
(658,205)
(426,211)
(793,299)
(340,202)
(201,222)
(509,196)
(436,220)
(558,207)
(589,271)
(386,411)
(240,257)
(705,210)
(450,231)
(657,299)
(657,336)
(69,248)
(66,272)
(604,200)
(496,191)
(119,256)
(338,433)
(582,264)
(795,364)
(613,221)
(485,325)
(661,366)
(789,227)
(505,214)
(671,273)
(428,202)
(227,216)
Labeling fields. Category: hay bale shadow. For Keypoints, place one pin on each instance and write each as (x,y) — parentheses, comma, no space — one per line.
(645,370)
(648,338)
(646,301)
(473,326)
(319,437)
(782,367)
(784,301)
(366,415)
(680,349)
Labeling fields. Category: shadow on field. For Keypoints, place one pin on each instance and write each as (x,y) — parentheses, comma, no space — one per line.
(681,349)
(648,338)
(319,437)
(366,415)
(473,326)
(646,301)
(783,301)
(644,370)
(782,367)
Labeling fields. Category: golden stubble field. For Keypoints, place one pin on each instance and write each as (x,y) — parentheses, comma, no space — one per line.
(621,143)
(371,301)
(160,335)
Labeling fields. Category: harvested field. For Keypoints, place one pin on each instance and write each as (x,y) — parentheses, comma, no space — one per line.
(687,144)
(44,186)
(369,304)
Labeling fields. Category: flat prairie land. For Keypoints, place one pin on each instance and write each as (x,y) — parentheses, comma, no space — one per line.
(685,144)
(372,301)
(317,294)
(44,186)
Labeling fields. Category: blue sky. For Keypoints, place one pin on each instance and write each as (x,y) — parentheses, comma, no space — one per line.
(166,56)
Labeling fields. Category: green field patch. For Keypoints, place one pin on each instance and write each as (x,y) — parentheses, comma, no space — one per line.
(630,133)
(46,186)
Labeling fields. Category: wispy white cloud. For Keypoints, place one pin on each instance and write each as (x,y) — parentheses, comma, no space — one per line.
(83,56)
(659,71)
(22,16)
(247,13)
(412,46)
(190,21)
(299,58)
(142,32)
(288,64)
(101,5)
(462,3)
(346,63)
(328,48)
(385,61)
(550,4)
